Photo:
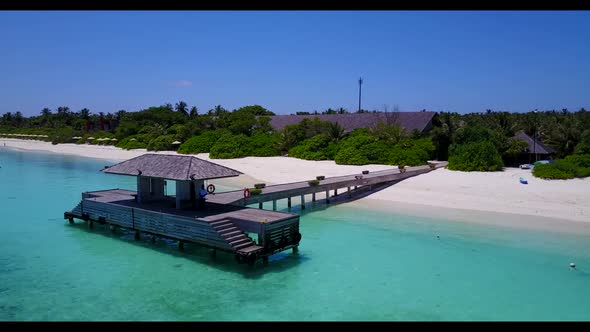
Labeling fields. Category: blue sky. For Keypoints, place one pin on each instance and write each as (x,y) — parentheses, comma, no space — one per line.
(290,61)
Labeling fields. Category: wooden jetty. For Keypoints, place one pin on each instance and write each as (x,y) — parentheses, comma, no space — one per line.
(329,186)
(220,221)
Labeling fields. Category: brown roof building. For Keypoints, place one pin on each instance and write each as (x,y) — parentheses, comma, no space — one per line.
(421,121)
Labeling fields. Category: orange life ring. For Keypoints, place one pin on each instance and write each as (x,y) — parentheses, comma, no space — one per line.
(246,192)
(211,188)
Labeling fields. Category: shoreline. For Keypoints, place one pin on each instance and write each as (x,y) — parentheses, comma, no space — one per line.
(475,197)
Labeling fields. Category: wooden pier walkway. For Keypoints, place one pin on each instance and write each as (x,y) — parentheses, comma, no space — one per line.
(302,188)
(219,221)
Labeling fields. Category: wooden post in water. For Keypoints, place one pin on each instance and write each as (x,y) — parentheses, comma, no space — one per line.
(274,204)
(348,191)
(313,197)
(336,192)
(213,253)
(90,224)
(71,220)
(303,202)
(295,249)
(137,236)
(180,245)
(327,196)
(288,201)
(265,260)
(260,205)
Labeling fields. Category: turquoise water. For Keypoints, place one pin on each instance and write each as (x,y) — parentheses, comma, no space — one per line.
(353,264)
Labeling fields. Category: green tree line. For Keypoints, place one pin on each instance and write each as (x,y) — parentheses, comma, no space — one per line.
(479,141)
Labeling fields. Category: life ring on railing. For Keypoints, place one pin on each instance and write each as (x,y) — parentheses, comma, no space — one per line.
(246,192)
(211,188)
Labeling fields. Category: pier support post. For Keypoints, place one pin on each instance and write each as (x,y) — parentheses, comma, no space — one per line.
(90,224)
(303,202)
(289,202)
(296,249)
(153,239)
(327,196)
(265,260)
(213,253)
(137,236)
(112,228)
(336,192)
(260,205)
(274,204)
(313,197)
(348,191)
(180,245)
(71,220)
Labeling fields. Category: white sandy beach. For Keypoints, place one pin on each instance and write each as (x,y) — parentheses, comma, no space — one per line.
(450,192)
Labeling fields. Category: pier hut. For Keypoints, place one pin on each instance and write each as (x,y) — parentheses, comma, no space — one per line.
(189,173)
(187,216)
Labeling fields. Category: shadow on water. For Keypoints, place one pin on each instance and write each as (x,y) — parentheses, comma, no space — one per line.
(224,261)
(342,198)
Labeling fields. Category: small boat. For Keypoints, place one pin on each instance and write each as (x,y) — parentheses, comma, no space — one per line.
(523,181)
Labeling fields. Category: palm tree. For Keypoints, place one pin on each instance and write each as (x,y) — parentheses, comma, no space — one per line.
(45,116)
(194,112)
(335,131)
(182,107)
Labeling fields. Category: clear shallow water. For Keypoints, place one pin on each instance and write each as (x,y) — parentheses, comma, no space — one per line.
(353,264)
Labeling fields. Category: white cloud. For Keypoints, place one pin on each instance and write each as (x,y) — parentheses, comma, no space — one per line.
(183,83)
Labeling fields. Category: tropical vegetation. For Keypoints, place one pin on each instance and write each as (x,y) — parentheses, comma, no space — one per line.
(479,141)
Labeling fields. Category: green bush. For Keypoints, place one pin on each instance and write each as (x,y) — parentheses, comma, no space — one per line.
(62,135)
(350,156)
(567,168)
(376,152)
(584,146)
(134,142)
(551,171)
(579,160)
(255,191)
(411,152)
(135,145)
(162,143)
(476,156)
(313,183)
(230,146)
(263,145)
(311,148)
(202,143)
(351,149)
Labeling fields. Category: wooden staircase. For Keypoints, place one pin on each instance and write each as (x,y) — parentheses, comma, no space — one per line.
(237,239)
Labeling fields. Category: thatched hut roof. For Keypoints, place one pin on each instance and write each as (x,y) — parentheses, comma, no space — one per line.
(171,167)
(538,148)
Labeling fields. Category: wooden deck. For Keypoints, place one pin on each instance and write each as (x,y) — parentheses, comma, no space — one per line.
(288,190)
(217,226)
(223,222)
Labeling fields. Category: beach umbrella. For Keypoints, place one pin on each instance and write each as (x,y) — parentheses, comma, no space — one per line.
(176,143)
